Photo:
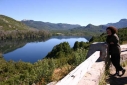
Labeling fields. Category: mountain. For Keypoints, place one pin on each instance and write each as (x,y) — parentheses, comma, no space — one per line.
(48,25)
(121,24)
(90,29)
(7,23)
(95,30)
(61,26)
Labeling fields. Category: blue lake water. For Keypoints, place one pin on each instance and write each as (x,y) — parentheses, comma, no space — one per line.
(34,51)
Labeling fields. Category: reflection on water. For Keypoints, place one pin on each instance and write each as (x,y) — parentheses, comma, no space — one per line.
(33,51)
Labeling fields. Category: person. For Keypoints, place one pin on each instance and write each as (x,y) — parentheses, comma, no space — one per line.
(114,49)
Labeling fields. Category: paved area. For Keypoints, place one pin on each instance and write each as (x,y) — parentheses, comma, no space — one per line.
(93,74)
(115,80)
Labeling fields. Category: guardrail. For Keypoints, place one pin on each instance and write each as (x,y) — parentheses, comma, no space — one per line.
(74,76)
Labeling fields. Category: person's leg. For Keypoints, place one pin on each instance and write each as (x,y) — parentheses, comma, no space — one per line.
(115,58)
(119,66)
(114,62)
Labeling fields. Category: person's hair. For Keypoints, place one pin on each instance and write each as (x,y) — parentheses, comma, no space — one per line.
(113,29)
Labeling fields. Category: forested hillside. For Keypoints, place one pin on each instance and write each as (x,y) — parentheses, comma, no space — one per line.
(7,23)
(89,30)
(12,29)
(48,25)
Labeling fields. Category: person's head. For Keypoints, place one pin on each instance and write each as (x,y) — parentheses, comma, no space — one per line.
(111,30)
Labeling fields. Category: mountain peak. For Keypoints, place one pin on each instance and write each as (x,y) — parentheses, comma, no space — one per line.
(27,20)
(89,26)
(121,24)
(123,20)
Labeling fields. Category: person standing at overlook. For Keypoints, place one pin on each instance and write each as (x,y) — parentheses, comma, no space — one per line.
(114,49)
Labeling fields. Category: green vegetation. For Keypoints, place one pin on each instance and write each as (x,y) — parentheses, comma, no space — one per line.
(20,35)
(75,32)
(122,33)
(61,50)
(43,71)
(102,79)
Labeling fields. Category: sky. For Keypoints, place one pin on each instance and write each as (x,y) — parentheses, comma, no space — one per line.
(82,12)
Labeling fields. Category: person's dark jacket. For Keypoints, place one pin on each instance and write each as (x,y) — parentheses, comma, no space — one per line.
(113,48)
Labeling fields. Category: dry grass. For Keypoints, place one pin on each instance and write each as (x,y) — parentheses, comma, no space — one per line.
(123,64)
(59,73)
(103,78)
(124,42)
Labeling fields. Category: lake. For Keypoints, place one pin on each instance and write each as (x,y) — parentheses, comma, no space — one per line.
(34,51)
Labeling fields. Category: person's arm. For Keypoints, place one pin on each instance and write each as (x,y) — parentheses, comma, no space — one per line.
(115,40)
